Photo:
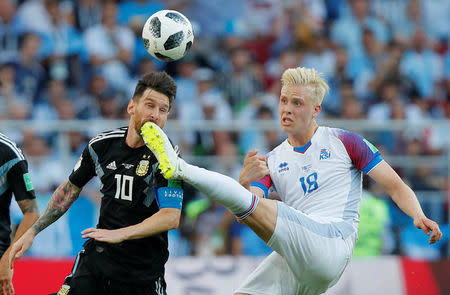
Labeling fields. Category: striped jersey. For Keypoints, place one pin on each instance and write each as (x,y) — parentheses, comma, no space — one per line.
(129,177)
(14,179)
(323,178)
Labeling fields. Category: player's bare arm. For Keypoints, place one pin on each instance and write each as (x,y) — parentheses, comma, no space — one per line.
(405,199)
(61,200)
(30,215)
(164,220)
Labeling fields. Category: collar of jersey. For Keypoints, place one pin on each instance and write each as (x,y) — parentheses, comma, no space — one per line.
(302,149)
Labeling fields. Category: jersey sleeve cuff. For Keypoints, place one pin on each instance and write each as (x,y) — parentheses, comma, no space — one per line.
(374,162)
(262,187)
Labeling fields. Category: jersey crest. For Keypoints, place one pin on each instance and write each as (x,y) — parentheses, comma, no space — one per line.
(142,167)
(324,154)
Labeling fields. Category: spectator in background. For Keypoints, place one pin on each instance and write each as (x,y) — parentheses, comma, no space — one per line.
(52,102)
(422,65)
(436,18)
(45,169)
(33,17)
(9,31)
(263,141)
(110,48)
(13,105)
(332,104)
(403,27)
(208,105)
(30,74)
(321,56)
(61,47)
(86,14)
(348,30)
(362,66)
(241,83)
(351,107)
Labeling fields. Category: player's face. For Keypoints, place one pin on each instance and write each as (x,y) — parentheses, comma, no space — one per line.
(153,107)
(296,110)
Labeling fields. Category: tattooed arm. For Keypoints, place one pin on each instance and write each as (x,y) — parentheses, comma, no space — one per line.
(60,202)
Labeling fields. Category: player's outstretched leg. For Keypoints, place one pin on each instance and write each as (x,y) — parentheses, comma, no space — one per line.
(215,186)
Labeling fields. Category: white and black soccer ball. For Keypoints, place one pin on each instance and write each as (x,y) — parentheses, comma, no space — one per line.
(167,35)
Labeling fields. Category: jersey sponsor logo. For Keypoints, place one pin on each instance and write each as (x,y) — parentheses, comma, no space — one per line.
(143,166)
(324,154)
(283,167)
(112,165)
(28,183)
(127,166)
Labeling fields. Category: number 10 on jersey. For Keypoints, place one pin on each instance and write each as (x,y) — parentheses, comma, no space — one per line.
(124,187)
(309,183)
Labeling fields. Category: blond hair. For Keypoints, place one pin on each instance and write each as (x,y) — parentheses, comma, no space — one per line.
(310,77)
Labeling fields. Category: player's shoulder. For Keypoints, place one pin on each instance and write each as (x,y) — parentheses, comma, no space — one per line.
(278,150)
(9,149)
(110,135)
(343,135)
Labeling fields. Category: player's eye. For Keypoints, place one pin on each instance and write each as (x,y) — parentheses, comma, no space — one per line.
(163,110)
(297,103)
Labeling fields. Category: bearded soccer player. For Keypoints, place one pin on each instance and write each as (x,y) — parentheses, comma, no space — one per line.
(127,251)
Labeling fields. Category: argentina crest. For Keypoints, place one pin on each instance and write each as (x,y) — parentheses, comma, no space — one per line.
(143,165)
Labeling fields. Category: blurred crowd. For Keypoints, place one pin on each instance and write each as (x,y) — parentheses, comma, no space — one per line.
(80,59)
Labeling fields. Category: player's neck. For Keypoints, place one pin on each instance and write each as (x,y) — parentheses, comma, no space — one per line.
(303,138)
(133,140)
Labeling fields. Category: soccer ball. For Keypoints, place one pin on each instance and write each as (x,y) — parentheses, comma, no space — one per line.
(167,35)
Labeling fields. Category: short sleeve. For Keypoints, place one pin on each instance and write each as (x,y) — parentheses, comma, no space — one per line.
(19,181)
(84,169)
(364,155)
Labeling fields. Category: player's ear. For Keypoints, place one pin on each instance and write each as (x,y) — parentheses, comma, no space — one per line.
(317,110)
(131,106)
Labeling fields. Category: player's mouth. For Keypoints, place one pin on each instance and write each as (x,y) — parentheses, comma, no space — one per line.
(286,121)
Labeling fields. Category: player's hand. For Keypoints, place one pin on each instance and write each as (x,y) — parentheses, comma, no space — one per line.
(6,273)
(21,246)
(254,168)
(429,227)
(104,235)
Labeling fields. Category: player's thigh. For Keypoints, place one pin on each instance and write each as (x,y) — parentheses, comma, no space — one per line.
(82,281)
(263,220)
(273,276)
(315,251)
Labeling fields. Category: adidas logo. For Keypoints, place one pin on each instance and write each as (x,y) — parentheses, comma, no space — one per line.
(112,165)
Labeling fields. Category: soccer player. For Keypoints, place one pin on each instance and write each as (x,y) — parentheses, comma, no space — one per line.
(317,173)
(127,251)
(14,179)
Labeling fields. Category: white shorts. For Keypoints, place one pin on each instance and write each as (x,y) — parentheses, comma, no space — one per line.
(310,256)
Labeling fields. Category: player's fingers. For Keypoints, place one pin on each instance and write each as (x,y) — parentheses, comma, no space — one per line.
(424,228)
(251,153)
(88,230)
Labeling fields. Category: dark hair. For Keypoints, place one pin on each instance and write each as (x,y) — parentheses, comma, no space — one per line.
(158,81)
